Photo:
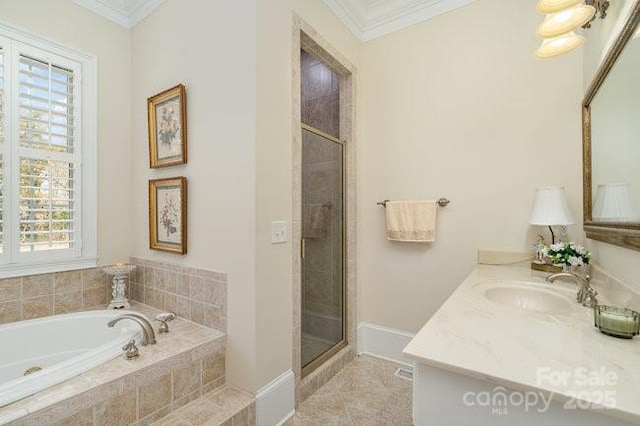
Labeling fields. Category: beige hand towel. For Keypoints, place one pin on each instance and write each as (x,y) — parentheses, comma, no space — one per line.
(411,221)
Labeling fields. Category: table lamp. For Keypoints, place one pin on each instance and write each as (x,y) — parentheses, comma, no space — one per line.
(550,207)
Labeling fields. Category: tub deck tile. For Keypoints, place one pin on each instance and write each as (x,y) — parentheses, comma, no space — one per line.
(187,343)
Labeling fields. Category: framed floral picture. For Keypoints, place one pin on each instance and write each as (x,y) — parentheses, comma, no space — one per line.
(168,127)
(168,214)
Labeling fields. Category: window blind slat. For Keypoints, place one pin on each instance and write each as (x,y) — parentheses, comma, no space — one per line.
(25,97)
(50,133)
(38,120)
(36,82)
(44,65)
(24,109)
(46,106)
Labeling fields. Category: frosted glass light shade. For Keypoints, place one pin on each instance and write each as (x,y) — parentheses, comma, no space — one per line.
(559,45)
(550,207)
(563,22)
(553,6)
(613,203)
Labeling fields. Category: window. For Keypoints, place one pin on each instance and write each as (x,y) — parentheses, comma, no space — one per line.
(47,156)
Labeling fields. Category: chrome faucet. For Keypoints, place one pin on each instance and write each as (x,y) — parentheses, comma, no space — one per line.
(148,336)
(586,294)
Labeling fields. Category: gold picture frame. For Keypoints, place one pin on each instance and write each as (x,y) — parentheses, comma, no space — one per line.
(168,214)
(167,113)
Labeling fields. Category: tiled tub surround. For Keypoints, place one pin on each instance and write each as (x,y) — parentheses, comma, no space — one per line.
(194,294)
(183,364)
(42,295)
(479,341)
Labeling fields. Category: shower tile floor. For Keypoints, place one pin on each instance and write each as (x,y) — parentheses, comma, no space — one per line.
(366,392)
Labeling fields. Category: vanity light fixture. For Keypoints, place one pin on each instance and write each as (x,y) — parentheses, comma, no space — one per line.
(550,207)
(613,203)
(563,17)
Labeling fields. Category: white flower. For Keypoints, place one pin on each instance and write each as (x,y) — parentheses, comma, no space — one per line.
(575,261)
(581,250)
(557,247)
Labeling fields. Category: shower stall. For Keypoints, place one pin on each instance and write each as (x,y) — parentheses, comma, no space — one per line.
(323,310)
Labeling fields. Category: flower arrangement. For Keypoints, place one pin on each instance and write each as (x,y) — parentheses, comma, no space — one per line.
(567,254)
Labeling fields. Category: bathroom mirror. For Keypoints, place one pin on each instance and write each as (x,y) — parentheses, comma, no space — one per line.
(611,142)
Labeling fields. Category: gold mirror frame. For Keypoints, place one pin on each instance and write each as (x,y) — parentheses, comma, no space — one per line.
(623,234)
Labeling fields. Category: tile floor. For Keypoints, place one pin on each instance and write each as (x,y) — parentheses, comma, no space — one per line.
(364,393)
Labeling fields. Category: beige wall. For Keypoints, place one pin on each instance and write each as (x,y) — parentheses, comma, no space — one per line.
(621,263)
(210,47)
(66,23)
(459,107)
(236,64)
(274,168)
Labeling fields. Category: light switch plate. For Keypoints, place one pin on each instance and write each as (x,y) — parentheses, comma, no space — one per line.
(278,232)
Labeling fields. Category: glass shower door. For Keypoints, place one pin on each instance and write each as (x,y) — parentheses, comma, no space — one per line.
(323,294)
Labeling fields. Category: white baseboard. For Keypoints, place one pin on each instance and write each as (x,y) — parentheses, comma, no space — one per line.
(275,402)
(383,342)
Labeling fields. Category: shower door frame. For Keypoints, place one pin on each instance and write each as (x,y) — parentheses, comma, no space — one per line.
(344,342)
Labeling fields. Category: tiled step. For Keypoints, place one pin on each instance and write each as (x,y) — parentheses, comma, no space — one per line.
(225,406)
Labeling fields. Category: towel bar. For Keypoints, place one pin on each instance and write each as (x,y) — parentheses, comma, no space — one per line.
(442,202)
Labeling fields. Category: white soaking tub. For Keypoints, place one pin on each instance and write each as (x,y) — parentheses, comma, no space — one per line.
(63,346)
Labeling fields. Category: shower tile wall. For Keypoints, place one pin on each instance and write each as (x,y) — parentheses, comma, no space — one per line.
(36,296)
(322,209)
(320,95)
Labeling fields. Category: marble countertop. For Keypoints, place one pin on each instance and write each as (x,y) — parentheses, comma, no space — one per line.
(563,354)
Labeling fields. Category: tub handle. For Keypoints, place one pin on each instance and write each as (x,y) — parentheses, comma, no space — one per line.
(163,318)
(131,350)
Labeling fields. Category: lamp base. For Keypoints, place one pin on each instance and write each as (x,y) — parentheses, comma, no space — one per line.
(545,267)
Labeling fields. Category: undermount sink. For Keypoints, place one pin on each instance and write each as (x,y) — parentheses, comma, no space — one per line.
(527,296)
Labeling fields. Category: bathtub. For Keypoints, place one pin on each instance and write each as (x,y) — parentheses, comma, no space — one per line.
(63,346)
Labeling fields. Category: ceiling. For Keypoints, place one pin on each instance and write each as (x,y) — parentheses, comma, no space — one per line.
(369,19)
(124,12)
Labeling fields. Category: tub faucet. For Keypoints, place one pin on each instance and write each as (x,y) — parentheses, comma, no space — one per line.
(148,336)
(586,294)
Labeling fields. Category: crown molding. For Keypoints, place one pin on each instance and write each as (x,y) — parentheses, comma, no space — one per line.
(126,13)
(370,19)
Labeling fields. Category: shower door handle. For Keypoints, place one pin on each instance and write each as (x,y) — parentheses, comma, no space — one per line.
(302,248)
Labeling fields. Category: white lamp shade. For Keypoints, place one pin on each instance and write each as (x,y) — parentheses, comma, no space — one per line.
(560,45)
(613,203)
(550,207)
(553,6)
(556,24)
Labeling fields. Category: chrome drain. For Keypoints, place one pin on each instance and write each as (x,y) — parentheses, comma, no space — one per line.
(404,373)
